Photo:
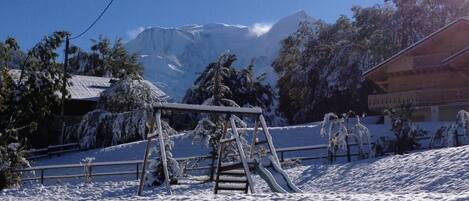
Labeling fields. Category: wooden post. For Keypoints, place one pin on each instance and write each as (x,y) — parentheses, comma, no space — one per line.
(145,159)
(253,145)
(268,138)
(90,169)
(42,176)
(163,151)
(242,155)
(219,156)
(137,171)
(349,158)
(64,90)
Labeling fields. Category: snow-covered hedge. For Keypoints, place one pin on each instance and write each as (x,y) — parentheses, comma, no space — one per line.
(455,134)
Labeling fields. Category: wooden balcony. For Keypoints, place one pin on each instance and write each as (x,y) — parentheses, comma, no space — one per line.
(419,98)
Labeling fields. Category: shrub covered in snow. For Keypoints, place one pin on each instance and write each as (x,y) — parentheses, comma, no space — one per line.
(450,135)
(405,132)
(336,129)
(155,174)
(87,168)
(11,158)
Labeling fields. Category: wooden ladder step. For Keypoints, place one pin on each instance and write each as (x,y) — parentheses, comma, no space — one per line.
(232,187)
(261,142)
(230,166)
(232,179)
(235,172)
(228,140)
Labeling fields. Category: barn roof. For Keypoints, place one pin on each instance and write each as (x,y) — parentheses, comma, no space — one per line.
(90,87)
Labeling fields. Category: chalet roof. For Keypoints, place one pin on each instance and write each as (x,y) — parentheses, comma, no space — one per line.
(413,46)
(90,87)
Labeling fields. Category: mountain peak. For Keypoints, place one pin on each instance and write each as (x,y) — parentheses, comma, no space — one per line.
(289,24)
(301,14)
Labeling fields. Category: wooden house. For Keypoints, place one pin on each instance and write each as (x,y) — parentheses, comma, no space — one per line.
(85,91)
(432,75)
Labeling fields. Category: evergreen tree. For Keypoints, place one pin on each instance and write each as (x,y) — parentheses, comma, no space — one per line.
(215,84)
(105,60)
(31,96)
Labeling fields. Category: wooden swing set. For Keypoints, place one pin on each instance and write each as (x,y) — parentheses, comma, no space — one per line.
(241,169)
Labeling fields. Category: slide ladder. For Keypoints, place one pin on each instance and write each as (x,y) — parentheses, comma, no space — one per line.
(236,176)
(233,176)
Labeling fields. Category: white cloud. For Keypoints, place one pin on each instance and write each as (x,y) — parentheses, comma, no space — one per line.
(134,32)
(260,28)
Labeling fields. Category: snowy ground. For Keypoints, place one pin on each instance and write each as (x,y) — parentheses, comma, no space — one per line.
(431,175)
(441,174)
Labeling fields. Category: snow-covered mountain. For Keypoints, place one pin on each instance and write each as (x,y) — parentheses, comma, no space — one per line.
(173,57)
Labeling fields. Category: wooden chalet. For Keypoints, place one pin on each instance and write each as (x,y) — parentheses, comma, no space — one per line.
(432,75)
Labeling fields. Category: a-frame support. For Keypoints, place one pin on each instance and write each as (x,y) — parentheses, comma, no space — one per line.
(157,133)
(245,164)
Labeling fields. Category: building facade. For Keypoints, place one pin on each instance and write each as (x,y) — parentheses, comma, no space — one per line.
(432,75)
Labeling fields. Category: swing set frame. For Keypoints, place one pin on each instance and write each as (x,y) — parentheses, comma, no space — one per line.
(230,111)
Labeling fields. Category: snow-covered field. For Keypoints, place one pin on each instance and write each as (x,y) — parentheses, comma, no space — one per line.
(429,175)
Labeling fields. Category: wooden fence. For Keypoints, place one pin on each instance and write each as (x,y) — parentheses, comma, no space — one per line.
(51,150)
(138,163)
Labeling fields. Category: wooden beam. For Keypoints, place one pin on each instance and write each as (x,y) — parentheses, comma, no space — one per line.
(207,108)
(163,151)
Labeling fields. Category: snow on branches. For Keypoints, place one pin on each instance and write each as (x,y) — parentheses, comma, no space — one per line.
(154,176)
(452,132)
(124,114)
(127,95)
(336,129)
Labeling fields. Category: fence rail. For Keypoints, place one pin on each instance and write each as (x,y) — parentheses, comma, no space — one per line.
(138,163)
(51,150)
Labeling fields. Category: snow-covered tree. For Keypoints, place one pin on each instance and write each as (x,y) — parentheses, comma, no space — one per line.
(245,89)
(124,114)
(336,129)
(450,135)
(105,60)
(214,85)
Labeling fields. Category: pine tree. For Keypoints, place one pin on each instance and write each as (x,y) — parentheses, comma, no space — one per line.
(11,146)
(404,131)
(217,85)
(106,60)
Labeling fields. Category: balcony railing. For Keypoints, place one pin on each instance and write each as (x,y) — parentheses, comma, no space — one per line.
(419,98)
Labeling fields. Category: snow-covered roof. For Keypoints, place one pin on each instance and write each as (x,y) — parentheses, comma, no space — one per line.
(90,87)
(87,87)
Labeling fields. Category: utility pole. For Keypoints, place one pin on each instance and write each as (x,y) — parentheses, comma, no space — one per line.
(64,90)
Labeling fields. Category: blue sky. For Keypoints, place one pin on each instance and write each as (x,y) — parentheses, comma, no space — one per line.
(30,20)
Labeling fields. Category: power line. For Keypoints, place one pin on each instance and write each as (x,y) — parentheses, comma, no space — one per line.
(94,22)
